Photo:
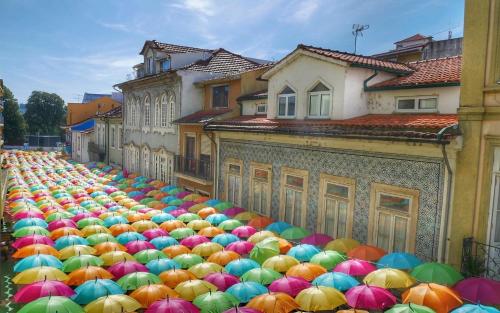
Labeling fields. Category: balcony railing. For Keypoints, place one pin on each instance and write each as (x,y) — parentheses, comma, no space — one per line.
(202,169)
(480,259)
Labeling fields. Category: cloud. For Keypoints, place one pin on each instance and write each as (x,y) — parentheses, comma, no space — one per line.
(202,7)
(305,10)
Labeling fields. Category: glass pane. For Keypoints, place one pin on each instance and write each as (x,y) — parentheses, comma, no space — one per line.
(330,217)
(263,198)
(406,104)
(262,108)
(291,106)
(325,105)
(294,181)
(297,214)
(314,105)
(320,87)
(427,104)
(234,169)
(256,197)
(342,220)
(337,190)
(400,231)
(230,188)
(288,205)
(282,106)
(236,191)
(260,174)
(395,203)
(220,98)
(383,231)
(286,91)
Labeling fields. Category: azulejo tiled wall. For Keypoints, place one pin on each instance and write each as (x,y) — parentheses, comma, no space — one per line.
(423,174)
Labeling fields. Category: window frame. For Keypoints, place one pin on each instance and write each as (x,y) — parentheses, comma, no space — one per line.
(113,134)
(304,174)
(146,161)
(261,105)
(348,182)
(162,62)
(286,96)
(119,140)
(402,192)
(226,98)
(269,169)
(147,112)
(319,93)
(417,100)
(227,163)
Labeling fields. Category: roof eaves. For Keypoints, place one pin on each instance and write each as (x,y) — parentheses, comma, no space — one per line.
(412,86)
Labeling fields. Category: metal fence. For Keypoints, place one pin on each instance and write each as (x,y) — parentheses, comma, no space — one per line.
(480,259)
(43,141)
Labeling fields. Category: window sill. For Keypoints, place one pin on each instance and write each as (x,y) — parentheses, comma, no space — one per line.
(286,117)
(416,111)
(318,117)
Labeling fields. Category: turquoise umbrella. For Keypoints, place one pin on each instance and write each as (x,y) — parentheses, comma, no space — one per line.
(246,291)
(303,252)
(128,236)
(163,241)
(212,202)
(241,266)
(162,217)
(70,240)
(336,280)
(37,260)
(113,220)
(96,288)
(157,266)
(278,227)
(399,260)
(216,219)
(475,308)
(225,239)
(33,221)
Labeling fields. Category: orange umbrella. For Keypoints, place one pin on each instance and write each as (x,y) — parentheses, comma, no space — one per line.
(160,195)
(210,232)
(284,245)
(205,212)
(159,206)
(35,249)
(171,225)
(94,229)
(437,297)
(273,302)
(172,278)
(81,275)
(352,311)
(308,271)
(65,231)
(148,294)
(260,222)
(175,250)
(367,253)
(223,257)
(201,199)
(108,246)
(118,229)
(135,217)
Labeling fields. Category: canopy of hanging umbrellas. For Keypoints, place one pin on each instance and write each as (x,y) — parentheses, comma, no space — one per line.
(91,238)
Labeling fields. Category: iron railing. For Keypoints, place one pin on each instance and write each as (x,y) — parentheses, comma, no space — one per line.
(194,167)
(480,259)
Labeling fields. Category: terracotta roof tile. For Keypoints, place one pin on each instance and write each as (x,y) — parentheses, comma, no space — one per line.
(171,48)
(202,117)
(224,62)
(113,113)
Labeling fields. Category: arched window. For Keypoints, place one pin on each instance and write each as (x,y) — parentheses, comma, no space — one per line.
(171,113)
(128,113)
(137,121)
(164,111)
(319,101)
(132,113)
(286,102)
(147,112)
(157,112)
(145,161)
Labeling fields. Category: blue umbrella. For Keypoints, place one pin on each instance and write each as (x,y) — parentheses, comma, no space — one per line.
(37,260)
(246,291)
(33,221)
(399,260)
(278,227)
(96,288)
(303,252)
(225,239)
(98,193)
(216,219)
(113,220)
(241,266)
(70,240)
(128,236)
(168,188)
(336,280)
(212,202)
(475,308)
(167,199)
(170,208)
(163,241)
(115,208)
(157,266)
(162,217)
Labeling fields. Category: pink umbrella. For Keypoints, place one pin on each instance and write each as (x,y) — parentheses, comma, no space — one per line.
(97,213)
(61,223)
(177,212)
(66,201)
(317,239)
(110,204)
(193,241)
(242,310)
(355,267)
(153,233)
(233,211)
(32,239)
(110,190)
(144,210)
(289,285)
(479,290)
(240,247)
(50,207)
(27,214)
(222,280)
(369,298)
(186,205)
(121,269)
(244,231)
(172,305)
(81,216)
(182,194)
(139,197)
(41,289)
(147,189)
(80,195)
(135,246)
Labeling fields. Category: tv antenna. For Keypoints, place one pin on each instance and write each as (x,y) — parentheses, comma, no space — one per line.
(357,30)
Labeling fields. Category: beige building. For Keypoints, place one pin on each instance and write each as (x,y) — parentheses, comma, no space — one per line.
(106,145)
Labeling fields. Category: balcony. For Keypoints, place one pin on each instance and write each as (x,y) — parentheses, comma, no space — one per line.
(199,169)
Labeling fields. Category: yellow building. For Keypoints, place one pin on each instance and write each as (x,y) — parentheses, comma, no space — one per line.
(1,109)
(476,208)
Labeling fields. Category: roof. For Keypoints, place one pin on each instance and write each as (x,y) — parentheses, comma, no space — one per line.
(415,37)
(428,73)
(231,76)
(223,62)
(84,126)
(113,113)
(87,97)
(400,51)
(377,126)
(262,94)
(171,48)
(202,117)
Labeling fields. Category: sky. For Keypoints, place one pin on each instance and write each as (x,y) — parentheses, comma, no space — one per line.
(74,46)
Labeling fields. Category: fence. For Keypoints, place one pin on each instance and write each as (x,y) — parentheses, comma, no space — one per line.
(43,141)
(480,259)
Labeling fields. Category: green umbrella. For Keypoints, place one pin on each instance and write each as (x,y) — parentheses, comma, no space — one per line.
(79,261)
(51,304)
(328,259)
(147,200)
(295,233)
(89,221)
(188,217)
(137,207)
(217,301)
(58,216)
(118,193)
(147,255)
(100,238)
(188,259)
(175,202)
(31,230)
(135,280)
(438,273)
(265,249)
(410,308)
(263,276)
(181,233)
(229,225)
(223,205)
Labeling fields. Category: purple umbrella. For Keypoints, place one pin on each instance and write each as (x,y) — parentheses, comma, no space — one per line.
(244,231)
(139,197)
(186,205)
(121,269)
(172,305)
(147,189)
(479,290)
(231,212)
(135,246)
(177,212)
(60,224)
(193,241)
(317,239)
(369,298)
(110,204)
(289,285)
(110,190)
(32,239)
(144,210)
(183,194)
(153,233)
(240,247)
(41,289)
(222,280)
(242,310)
(355,267)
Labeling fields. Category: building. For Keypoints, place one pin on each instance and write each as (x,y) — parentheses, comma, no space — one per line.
(162,92)
(79,112)
(81,135)
(106,145)
(347,145)
(1,115)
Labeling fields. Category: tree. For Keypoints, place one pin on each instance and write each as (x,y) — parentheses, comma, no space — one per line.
(45,113)
(14,124)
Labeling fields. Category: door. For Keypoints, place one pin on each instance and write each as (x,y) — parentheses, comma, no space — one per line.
(190,160)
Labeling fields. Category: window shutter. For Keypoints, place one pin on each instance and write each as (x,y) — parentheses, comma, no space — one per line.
(206,145)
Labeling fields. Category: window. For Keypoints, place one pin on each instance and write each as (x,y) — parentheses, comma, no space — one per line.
(119,140)
(151,65)
(286,103)
(147,112)
(163,163)
(261,108)
(336,206)
(171,115)
(164,111)
(319,101)
(393,218)
(145,161)
(425,104)
(260,188)
(233,183)
(165,65)
(220,96)
(494,225)
(113,142)
(293,195)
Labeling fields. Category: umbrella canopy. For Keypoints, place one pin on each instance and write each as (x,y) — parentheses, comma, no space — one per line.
(241,266)
(148,294)
(328,259)
(113,257)
(437,297)
(201,270)
(479,290)
(399,260)
(320,298)
(244,231)
(221,280)
(289,285)
(303,252)
(225,239)
(280,263)
(409,308)
(52,304)
(389,278)
(125,267)
(355,267)
(157,266)
(206,249)
(39,273)
(242,310)
(187,260)
(190,289)
(42,289)
(194,240)
(229,225)
(32,239)
(370,298)
(35,249)
(240,247)
(261,235)
(317,239)
(215,302)
(138,245)
(275,302)
(147,255)
(163,241)
(336,280)
(263,276)
(367,253)
(113,304)
(94,289)
(37,260)
(70,251)
(278,227)
(308,271)
(172,305)
(295,233)
(265,249)
(436,273)
(135,280)
(223,257)
(260,222)
(475,308)
(342,245)
(174,277)
(81,275)
(246,291)
(76,262)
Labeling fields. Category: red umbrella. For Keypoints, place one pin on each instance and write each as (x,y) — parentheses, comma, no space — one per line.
(240,247)
(41,289)
(172,305)
(222,280)
(317,239)
(244,231)
(194,240)
(355,267)
(135,246)
(289,285)
(153,233)
(61,223)
(479,290)
(369,298)
(32,239)
(121,269)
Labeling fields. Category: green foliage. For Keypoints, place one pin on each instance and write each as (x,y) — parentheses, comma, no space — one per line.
(473,266)
(14,125)
(45,113)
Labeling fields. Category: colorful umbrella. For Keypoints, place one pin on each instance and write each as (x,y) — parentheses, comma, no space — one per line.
(32,239)
(295,233)
(39,273)
(263,276)
(225,239)
(41,289)
(163,241)
(138,245)
(303,252)
(436,273)
(437,297)
(221,280)
(244,231)
(241,266)
(475,308)
(190,289)
(409,308)
(148,294)
(76,262)
(320,298)
(317,239)
(172,305)
(479,290)
(187,260)
(37,260)
(94,289)
(389,278)
(81,275)
(120,269)
(242,310)
(265,249)
(223,257)
(289,285)
(280,263)
(193,241)
(206,249)
(342,245)
(308,271)
(275,302)
(369,297)
(157,266)
(328,259)
(335,280)
(172,278)
(355,267)
(175,250)
(260,222)
(113,304)
(181,233)
(147,255)
(399,260)
(215,302)
(246,291)
(260,236)
(229,225)
(201,270)
(52,304)
(113,257)
(35,249)
(366,252)
(240,247)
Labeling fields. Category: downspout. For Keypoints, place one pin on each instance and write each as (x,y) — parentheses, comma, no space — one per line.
(215,166)
(365,82)
(107,139)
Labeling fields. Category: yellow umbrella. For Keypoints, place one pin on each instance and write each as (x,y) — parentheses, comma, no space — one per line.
(70,251)
(94,229)
(113,257)
(191,197)
(198,224)
(144,225)
(113,304)
(38,274)
(197,207)
(280,263)
(343,245)
(190,289)
(104,215)
(320,298)
(153,212)
(389,278)
(201,270)
(245,216)
(261,235)
(206,249)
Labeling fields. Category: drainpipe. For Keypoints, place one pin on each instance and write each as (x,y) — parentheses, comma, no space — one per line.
(445,238)
(215,165)
(365,82)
